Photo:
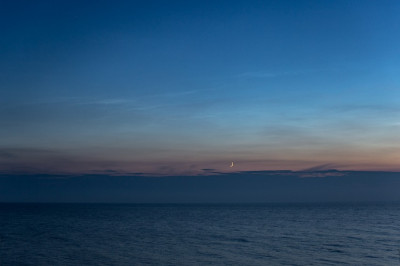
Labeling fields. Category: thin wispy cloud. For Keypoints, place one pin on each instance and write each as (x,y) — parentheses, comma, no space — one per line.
(272,74)
(258,74)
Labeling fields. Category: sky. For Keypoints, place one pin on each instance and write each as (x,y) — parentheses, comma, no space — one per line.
(179,87)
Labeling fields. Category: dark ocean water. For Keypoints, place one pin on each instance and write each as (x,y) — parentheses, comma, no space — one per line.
(259,234)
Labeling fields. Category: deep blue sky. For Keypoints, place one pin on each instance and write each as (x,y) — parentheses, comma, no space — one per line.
(172,87)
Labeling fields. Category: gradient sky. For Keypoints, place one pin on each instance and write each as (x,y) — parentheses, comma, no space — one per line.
(173,87)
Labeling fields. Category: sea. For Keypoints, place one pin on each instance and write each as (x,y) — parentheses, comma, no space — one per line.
(200,234)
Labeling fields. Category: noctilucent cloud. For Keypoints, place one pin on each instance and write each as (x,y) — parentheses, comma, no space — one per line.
(174,87)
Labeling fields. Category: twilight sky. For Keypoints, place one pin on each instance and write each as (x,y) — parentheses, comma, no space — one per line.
(174,87)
